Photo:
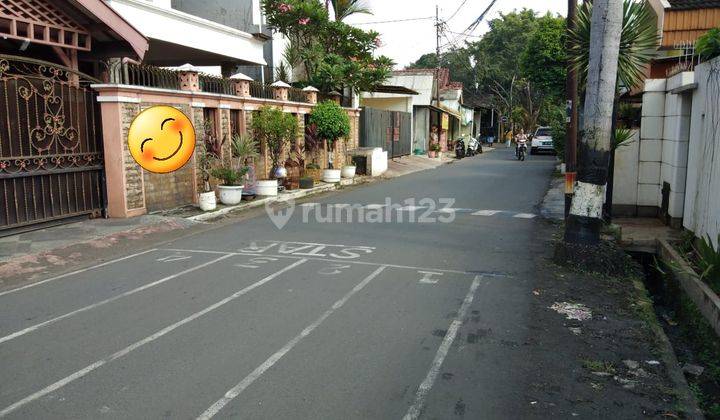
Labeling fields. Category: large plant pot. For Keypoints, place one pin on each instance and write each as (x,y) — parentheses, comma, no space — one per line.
(230,195)
(207,201)
(315,174)
(331,175)
(306,183)
(348,171)
(267,187)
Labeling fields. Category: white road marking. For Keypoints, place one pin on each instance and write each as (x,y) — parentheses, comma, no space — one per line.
(174,258)
(525,216)
(486,274)
(417,407)
(428,277)
(245,266)
(309,204)
(486,213)
(233,392)
(412,208)
(83,372)
(108,300)
(72,273)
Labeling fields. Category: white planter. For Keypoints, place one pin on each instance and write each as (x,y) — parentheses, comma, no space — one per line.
(207,201)
(348,171)
(230,195)
(267,187)
(331,175)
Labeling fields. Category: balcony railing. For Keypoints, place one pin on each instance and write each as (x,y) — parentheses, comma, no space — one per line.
(214,84)
(258,90)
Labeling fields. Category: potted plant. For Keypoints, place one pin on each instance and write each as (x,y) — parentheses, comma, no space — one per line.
(306,183)
(275,129)
(313,171)
(332,124)
(245,151)
(209,153)
(231,187)
(434,150)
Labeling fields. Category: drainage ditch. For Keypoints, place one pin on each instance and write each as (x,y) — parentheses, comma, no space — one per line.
(695,343)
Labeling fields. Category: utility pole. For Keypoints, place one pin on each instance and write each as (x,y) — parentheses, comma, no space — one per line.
(571,90)
(437,54)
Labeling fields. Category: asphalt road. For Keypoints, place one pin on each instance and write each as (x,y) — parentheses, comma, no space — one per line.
(370,318)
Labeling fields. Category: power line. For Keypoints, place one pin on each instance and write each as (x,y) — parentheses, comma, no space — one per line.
(394,21)
(456,11)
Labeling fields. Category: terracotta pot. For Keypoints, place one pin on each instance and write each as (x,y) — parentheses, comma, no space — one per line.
(315,174)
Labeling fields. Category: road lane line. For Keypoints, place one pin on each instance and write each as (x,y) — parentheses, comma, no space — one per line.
(346,261)
(72,273)
(416,409)
(260,370)
(108,300)
(149,339)
(486,212)
(524,216)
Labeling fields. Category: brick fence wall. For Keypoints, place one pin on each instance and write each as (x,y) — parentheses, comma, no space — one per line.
(133,191)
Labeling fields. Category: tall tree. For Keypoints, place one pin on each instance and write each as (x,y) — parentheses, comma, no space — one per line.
(345,8)
(544,58)
(585,219)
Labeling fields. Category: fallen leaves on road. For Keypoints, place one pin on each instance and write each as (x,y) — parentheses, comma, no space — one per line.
(574,311)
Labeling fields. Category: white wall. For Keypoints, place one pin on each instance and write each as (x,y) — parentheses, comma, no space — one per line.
(702,195)
(397,103)
(625,185)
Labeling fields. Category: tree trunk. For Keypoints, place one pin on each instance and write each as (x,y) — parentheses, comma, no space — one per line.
(583,224)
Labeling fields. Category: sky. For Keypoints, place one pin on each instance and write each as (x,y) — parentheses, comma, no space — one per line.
(405,42)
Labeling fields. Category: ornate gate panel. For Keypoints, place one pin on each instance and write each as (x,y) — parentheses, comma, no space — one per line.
(51,160)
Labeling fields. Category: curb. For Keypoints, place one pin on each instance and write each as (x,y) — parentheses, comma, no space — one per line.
(204,217)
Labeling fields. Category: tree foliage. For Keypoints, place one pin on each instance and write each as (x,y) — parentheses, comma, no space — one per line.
(638,42)
(275,128)
(345,8)
(543,61)
(708,45)
(332,54)
(331,120)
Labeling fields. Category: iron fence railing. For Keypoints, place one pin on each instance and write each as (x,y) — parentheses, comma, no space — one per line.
(297,95)
(258,90)
(345,101)
(214,84)
(143,75)
(128,73)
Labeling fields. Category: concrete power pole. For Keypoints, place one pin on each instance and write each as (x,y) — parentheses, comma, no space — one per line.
(585,220)
(571,89)
(437,54)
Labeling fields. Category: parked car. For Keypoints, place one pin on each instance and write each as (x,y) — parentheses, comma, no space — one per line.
(542,141)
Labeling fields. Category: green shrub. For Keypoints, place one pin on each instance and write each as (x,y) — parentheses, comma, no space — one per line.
(229,176)
(331,120)
(709,262)
(276,128)
(708,45)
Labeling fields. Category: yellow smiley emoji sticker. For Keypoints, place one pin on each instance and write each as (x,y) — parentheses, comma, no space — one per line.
(161,139)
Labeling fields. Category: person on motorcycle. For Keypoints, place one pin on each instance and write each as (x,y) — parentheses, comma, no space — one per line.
(520,140)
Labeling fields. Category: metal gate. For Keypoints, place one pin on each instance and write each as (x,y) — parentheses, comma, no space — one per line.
(51,159)
(390,130)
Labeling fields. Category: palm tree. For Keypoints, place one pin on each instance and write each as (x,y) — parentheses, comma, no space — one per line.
(638,41)
(585,219)
(345,8)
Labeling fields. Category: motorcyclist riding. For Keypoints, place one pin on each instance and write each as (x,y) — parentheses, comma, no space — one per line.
(521,140)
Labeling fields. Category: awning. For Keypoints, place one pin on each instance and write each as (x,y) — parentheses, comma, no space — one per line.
(398,90)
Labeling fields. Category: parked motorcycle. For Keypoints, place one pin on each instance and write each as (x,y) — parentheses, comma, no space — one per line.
(460,149)
(474,147)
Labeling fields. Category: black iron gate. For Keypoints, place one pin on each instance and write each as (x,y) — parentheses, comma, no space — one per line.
(390,130)
(51,159)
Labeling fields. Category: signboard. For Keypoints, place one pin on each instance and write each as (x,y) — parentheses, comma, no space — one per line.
(445,121)
(504,120)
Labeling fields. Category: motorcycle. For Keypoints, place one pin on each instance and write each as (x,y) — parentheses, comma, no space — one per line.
(474,147)
(521,151)
(459,149)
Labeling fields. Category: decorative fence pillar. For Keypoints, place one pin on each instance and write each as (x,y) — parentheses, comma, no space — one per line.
(280,90)
(241,84)
(311,95)
(336,97)
(189,77)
